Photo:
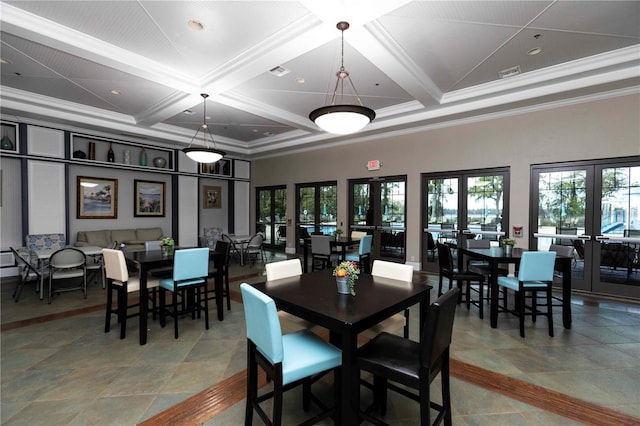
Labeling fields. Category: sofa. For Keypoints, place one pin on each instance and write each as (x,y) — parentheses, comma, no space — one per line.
(133,239)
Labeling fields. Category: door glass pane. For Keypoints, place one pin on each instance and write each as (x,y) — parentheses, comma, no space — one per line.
(328,209)
(264,212)
(392,211)
(620,202)
(561,205)
(279,228)
(484,204)
(307,213)
(362,208)
(442,207)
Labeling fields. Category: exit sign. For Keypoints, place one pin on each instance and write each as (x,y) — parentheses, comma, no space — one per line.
(373,165)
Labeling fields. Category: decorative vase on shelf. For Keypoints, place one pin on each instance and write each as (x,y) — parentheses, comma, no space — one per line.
(126,157)
(111,157)
(159,162)
(343,286)
(6,142)
(143,157)
(92,150)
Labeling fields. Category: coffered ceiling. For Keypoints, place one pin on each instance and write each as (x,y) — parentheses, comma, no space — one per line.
(418,64)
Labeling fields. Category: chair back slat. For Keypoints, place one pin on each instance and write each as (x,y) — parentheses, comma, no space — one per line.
(445,261)
(190,264)
(115,266)
(152,245)
(263,325)
(283,269)
(437,333)
(320,244)
(477,244)
(365,244)
(392,270)
(67,258)
(537,266)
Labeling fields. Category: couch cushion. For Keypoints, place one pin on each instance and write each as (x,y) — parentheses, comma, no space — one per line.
(97,238)
(148,234)
(122,235)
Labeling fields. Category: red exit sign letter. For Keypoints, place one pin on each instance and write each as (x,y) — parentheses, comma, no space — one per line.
(373,165)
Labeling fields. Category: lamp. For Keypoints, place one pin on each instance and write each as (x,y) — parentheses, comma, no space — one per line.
(204,154)
(342,119)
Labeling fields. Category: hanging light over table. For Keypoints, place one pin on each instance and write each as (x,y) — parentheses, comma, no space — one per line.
(342,119)
(204,154)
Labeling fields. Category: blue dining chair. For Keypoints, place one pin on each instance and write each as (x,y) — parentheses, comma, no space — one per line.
(190,271)
(363,256)
(289,360)
(535,274)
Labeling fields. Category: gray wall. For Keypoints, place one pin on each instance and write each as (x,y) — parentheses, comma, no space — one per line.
(591,130)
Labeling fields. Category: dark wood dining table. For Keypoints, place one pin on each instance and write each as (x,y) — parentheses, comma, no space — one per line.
(496,255)
(314,297)
(145,261)
(341,243)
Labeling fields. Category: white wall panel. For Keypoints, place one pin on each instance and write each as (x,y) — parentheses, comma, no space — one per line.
(10,204)
(241,205)
(47,193)
(242,169)
(45,141)
(187,210)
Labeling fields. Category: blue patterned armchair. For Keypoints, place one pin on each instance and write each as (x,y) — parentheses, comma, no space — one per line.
(35,242)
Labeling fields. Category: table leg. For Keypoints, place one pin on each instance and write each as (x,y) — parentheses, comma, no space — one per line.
(218,282)
(566,293)
(305,250)
(494,294)
(349,380)
(41,279)
(144,305)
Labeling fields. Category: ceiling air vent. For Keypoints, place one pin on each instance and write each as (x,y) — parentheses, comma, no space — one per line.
(509,72)
(279,71)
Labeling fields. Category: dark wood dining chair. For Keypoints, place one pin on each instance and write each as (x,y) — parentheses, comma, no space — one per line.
(449,271)
(397,360)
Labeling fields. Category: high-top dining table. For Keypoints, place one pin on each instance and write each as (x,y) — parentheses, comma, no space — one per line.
(145,261)
(314,297)
(496,255)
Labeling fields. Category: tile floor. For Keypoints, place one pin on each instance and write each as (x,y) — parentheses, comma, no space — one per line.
(68,371)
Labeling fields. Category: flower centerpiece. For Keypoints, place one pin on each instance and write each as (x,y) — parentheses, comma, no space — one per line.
(166,244)
(337,233)
(346,274)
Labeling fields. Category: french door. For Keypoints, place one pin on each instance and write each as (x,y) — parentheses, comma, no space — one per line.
(469,204)
(377,207)
(271,206)
(316,208)
(595,208)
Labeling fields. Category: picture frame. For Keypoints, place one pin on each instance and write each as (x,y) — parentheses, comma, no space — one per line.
(148,198)
(97,198)
(211,197)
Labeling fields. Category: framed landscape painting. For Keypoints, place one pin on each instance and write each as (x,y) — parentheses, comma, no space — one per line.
(212,197)
(148,198)
(97,198)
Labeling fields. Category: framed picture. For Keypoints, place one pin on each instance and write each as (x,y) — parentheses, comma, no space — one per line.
(148,198)
(211,197)
(97,198)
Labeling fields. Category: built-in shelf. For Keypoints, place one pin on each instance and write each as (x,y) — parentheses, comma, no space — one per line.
(96,149)
(9,135)
(222,167)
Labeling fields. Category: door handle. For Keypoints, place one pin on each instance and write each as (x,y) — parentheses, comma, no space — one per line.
(601,238)
(584,237)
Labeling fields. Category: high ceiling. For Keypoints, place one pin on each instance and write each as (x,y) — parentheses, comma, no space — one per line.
(418,64)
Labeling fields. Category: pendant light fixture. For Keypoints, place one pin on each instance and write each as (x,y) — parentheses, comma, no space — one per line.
(342,119)
(204,154)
